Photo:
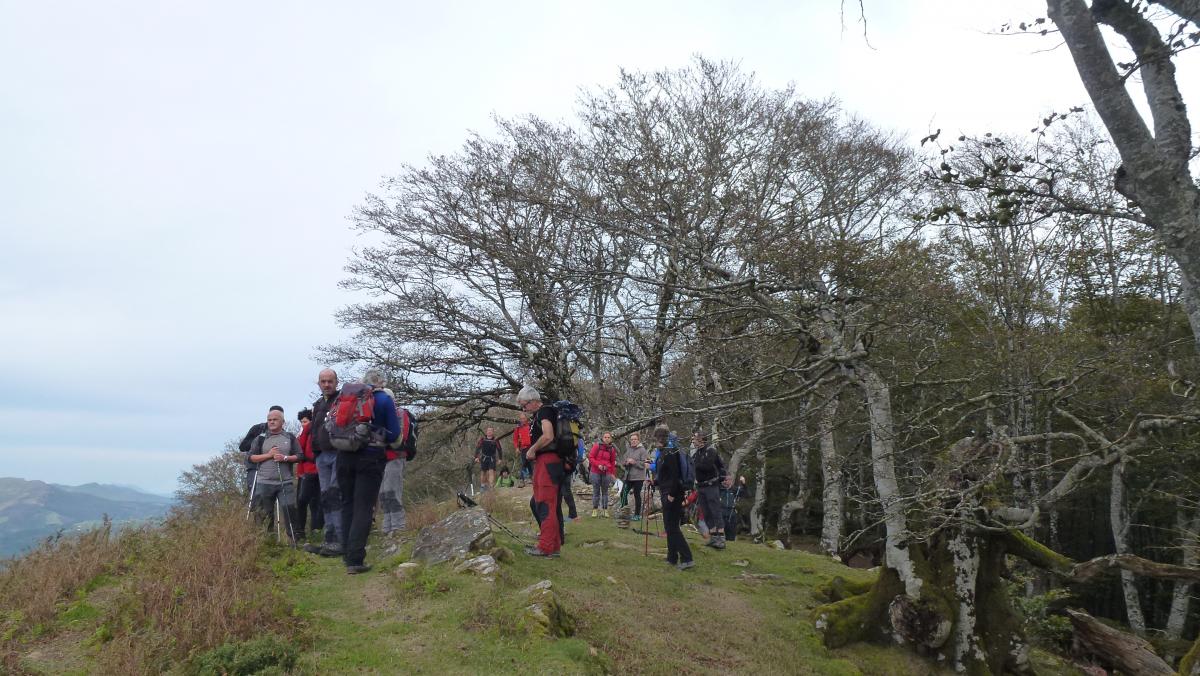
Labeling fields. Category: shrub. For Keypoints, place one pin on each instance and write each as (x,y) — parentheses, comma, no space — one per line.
(250,657)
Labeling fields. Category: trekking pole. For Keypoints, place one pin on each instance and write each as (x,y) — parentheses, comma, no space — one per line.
(283,508)
(250,502)
(468,502)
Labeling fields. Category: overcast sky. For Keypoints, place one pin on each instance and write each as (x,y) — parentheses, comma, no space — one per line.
(177,176)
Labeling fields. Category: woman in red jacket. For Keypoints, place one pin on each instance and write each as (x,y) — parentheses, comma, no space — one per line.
(308,495)
(602,460)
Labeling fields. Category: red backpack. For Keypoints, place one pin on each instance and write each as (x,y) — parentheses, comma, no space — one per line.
(406,443)
(349,420)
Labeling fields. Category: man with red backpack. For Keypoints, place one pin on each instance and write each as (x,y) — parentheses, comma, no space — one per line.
(363,425)
(547,472)
(326,461)
(602,460)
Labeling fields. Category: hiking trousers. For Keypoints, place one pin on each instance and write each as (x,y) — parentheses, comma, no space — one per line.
(391,493)
(601,482)
(331,497)
(546,503)
(266,495)
(635,489)
(672,516)
(708,499)
(308,505)
(359,476)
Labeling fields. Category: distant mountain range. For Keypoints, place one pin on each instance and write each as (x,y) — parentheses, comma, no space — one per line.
(32,510)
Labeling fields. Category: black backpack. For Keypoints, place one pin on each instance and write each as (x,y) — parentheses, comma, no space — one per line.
(567,431)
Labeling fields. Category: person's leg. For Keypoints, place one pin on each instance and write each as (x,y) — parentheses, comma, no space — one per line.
(316,513)
(346,478)
(670,520)
(595,481)
(368,477)
(606,484)
(635,487)
(389,495)
(568,496)
(675,518)
(545,493)
(331,499)
(306,497)
(263,504)
(287,503)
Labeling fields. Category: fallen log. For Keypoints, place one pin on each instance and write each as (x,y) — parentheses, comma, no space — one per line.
(1114,648)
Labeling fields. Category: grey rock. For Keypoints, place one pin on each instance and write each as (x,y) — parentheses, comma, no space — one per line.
(457,536)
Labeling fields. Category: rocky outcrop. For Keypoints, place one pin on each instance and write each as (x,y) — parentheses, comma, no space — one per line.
(459,536)
(544,613)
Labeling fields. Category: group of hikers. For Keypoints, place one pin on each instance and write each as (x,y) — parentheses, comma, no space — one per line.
(354,443)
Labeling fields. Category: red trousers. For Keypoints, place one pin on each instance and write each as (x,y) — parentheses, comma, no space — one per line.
(547,474)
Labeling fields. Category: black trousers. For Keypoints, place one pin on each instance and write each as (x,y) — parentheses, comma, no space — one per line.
(672,516)
(359,476)
(308,504)
(635,489)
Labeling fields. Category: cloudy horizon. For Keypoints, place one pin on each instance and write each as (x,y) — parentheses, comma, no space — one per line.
(179,178)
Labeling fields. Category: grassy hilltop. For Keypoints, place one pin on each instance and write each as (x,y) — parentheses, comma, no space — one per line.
(211,596)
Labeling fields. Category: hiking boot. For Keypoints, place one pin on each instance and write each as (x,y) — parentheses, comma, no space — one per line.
(357,570)
(330,551)
(534,551)
(686,565)
(718,542)
(595,512)
(636,517)
(312,549)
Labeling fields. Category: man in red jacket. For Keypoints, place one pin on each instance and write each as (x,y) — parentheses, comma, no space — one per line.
(521,444)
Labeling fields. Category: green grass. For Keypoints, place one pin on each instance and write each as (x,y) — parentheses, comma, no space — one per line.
(634,614)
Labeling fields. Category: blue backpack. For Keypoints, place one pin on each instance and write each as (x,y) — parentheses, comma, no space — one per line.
(687,472)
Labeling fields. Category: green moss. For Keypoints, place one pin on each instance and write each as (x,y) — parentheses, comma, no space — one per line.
(858,618)
(1190,664)
(1020,544)
(840,588)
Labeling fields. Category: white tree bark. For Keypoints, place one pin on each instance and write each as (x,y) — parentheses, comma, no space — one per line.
(1190,532)
(883,467)
(799,501)
(832,495)
(760,495)
(756,415)
(1119,518)
(966,572)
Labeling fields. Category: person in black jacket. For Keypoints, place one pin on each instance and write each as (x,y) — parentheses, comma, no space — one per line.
(326,461)
(255,430)
(710,478)
(673,488)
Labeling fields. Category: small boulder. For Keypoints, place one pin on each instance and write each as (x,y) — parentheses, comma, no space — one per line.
(778,544)
(544,614)
(502,554)
(406,570)
(457,536)
(741,563)
(483,566)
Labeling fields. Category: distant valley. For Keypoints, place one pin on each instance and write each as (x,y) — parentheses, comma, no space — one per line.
(32,510)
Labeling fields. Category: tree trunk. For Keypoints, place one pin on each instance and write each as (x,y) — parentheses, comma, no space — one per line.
(1116,649)
(1119,518)
(799,501)
(1181,598)
(760,495)
(832,495)
(735,460)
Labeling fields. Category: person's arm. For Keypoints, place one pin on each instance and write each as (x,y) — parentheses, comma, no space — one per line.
(543,441)
(248,440)
(256,454)
(591,455)
(391,422)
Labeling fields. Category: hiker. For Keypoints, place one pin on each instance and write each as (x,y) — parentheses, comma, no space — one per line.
(308,492)
(360,474)
(710,479)
(602,460)
(487,455)
(275,452)
(504,480)
(326,461)
(636,461)
(521,444)
(566,495)
(255,430)
(672,481)
(391,490)
(729,500)
(547,472)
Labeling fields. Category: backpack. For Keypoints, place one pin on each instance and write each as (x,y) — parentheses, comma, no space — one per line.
(348,422)
(567,429)
(406,443)
(687,471)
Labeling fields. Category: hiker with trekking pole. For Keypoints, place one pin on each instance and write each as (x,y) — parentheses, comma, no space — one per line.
(273,475)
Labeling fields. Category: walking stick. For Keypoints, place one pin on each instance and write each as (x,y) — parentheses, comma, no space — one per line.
(282,507)
(250,502)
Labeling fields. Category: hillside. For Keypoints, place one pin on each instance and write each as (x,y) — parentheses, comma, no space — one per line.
(32,510)
(744,610)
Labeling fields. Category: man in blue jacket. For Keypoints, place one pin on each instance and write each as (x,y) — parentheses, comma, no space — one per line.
(360,473)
